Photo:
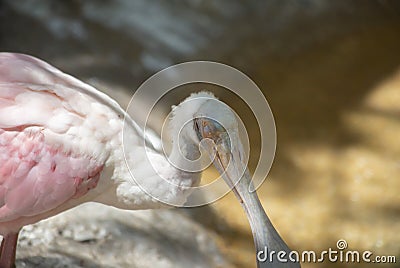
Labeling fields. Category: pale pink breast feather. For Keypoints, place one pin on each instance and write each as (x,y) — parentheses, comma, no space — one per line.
(36,178)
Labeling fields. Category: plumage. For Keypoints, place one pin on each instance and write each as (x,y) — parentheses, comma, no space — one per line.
(57,143)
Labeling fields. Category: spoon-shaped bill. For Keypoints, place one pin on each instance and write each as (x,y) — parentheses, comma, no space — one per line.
(226,151)
(266,238)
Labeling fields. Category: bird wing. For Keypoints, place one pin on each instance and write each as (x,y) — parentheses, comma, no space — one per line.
(54,136)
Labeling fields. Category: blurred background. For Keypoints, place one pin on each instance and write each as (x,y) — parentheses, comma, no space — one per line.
(329,69)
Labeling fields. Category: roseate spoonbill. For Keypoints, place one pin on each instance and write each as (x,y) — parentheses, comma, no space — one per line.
(61,145)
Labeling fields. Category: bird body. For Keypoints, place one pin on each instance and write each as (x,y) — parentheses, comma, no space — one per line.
(60,147)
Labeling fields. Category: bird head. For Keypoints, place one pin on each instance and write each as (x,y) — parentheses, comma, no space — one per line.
(203,124)
(208,127)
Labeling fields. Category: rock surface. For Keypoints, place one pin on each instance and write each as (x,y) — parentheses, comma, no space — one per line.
(94,235)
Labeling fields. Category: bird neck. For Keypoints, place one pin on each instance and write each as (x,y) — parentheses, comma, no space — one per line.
(146,178)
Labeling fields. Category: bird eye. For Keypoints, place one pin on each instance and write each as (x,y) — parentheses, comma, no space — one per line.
(207,130)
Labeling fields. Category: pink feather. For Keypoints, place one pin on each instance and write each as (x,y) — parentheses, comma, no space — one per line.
(43,163)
